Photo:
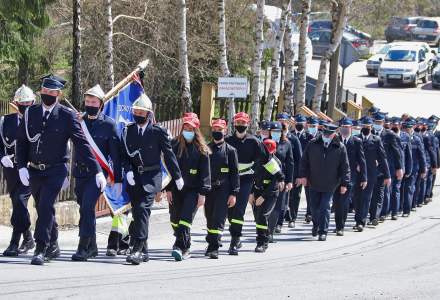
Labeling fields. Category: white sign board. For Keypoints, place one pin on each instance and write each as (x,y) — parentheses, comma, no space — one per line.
(232,87)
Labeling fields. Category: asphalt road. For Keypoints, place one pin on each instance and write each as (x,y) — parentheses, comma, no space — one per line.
(397,260)
(420,101)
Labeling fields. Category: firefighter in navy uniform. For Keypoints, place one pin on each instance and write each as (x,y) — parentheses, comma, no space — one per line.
(42,156)
(432,146)
(225,184)
(249,150)
(192,156)
(143,142)
(285,157)
(269,180)
(102,130)
(19,194)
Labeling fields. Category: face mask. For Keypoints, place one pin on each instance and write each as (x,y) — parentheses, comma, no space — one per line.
(327,139)
(217,135)
(22,108)
(276,136)
(377,127)
(417,129)
(240,128)
(395,129)
(188,135)
(48,100)
(366,131)
(92,110)
(312,130)
(344,131)
(299,127)
(139,119)
(355,132)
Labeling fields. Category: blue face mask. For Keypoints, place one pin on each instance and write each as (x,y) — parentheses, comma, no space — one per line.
(377,127)
(188,135)
(355,132)
(312,130)
(326,139)
(276,136)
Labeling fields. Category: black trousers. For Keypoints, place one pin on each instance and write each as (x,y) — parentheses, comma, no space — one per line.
(377,199)
(236,213)
(216,210)
(294,200)
(341,204)
(182,212)
(278,211)
(261,214)
(87,194)
(141,203)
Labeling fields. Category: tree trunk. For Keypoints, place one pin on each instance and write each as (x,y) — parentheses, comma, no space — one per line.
(224,69)
(300,97)
(289,58)
(275,74)
(76,65)
(23,69)
(110,76)
(185,88)
(339,14)
(256,67)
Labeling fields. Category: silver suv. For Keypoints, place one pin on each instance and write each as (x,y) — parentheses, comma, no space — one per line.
(427,30)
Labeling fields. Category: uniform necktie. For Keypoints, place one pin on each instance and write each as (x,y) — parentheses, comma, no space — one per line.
(46,115)
(140,132)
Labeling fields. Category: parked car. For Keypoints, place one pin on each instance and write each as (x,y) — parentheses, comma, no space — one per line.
(400,28)
(321,42)
(427,30)
(319,25)
(404,65)
(374,61)
(436,74)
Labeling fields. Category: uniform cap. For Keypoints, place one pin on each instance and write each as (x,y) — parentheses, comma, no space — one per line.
(300,119)
(192,121)
(265,125)
(366,121)
(283,116)
(275,126)
(219,123)
(312,121)
(53,82)
(96,91)
(345,122)
(24,94)
(242,116)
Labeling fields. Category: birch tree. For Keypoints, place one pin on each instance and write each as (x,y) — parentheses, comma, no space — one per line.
(110,77)
(76,55)
(224,69)
(300,97)
(289,57)
(340,10)
(275,74)
(185,91)
(256,66)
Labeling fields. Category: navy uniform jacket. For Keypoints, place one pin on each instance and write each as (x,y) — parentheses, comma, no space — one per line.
(296,152)
(195,168)
(356,158)
(146,152)
(51,148)
(405,144)
(304,138)
(250,150)
(418,154)
(431,155)
(8,133)
(104,134)
(285,156)
(392,149)
(224,166)
(325,168)
(375,157)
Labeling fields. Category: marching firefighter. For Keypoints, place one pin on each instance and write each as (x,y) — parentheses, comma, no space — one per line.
(42,156)
(101,132)
(225,184)
(268,182)
(192,156)
(143,143)
(250,151)
(19,193)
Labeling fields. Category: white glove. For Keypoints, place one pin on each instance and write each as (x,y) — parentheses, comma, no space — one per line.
(130,178)
(101,182)
(118,189)
(24,176)
(65,184)
(7,162)
(179,183)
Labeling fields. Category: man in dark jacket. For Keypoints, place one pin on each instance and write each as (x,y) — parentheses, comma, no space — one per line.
(324,167)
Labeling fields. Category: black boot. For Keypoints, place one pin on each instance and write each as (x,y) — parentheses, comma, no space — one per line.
(82,252)
(93,247)
(28,242)
(145,256)
(136,256)
(233,248)
(53,251)
(39,255)
(12,249)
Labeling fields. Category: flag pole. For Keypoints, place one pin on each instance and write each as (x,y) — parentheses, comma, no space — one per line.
(13,106)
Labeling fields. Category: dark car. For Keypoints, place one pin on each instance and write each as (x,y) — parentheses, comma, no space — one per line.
(321,42)
(400,28)
(436,75)
(319,25)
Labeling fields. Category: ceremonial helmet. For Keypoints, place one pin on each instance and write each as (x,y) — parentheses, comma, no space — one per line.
(143,103)
(95,91)
(24,94)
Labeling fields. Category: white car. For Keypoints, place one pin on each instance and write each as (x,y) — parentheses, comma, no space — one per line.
(374,61)
(404,65)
